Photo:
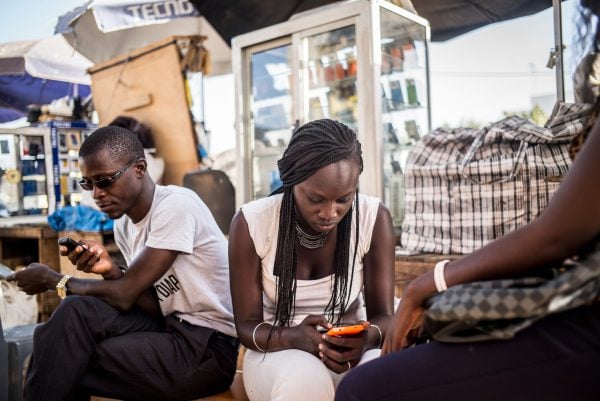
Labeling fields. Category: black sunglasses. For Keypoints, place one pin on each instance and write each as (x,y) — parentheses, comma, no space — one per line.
(103,183)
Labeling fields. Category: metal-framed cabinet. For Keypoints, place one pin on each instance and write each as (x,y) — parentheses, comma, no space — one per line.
(25,160)
(40,170)
(362,62)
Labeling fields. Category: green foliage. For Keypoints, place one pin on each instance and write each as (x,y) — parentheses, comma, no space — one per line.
(536,115)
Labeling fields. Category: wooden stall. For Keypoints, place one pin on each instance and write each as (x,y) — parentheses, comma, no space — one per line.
(407,268)
(22,245)
(149,84)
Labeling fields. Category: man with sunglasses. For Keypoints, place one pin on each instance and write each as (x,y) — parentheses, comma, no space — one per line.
(160,328)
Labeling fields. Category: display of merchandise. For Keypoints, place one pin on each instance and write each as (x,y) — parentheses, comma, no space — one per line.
(316,66)
(24,163)
(411,92)
(411,59)
(396,94)
(390,131)
(68,135)
(412,130)
(397,59)
(397,199)
(40,167)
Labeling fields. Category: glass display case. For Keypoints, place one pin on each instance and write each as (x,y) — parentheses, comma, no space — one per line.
(66,138)
(362,62)
(39,169)
(25,159)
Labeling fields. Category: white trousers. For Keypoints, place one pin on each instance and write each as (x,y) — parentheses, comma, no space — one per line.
(291,375)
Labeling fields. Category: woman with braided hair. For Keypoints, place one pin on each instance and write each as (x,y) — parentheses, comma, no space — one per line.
(314,254)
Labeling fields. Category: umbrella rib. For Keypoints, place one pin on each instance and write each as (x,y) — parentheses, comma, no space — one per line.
(486,12)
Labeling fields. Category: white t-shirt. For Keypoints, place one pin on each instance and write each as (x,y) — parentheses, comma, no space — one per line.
(196,287)
(312,296)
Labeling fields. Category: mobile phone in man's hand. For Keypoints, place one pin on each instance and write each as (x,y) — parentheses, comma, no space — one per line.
(70,243)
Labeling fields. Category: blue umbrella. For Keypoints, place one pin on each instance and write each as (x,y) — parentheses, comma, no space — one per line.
(9,114)
(19,91)
(38,72)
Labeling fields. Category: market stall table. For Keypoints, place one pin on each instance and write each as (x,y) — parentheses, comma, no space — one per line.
(21,245)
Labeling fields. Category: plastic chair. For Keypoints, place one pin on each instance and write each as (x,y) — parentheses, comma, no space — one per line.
(16,345)
(217,191)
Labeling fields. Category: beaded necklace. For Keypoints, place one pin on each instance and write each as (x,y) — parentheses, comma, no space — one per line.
(310,241)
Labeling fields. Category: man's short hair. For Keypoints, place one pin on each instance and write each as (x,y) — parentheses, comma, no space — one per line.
(121,143)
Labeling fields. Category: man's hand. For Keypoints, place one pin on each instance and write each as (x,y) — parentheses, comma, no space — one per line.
(35,278)
(90,257)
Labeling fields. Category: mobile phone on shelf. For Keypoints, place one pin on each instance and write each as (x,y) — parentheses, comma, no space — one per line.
(70,243)
(351,330)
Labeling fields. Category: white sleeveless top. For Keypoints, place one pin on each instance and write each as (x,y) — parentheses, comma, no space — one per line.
(312,296)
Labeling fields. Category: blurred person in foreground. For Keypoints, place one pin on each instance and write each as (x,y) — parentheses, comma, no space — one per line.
(556,358)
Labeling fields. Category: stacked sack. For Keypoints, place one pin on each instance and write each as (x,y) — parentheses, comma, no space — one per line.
(466,187)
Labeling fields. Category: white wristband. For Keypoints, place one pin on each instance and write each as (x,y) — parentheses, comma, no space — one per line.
(438,275)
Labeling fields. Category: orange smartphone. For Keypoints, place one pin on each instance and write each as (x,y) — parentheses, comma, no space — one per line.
(346,330)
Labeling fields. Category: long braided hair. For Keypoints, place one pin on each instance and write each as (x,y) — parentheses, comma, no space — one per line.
(313,146)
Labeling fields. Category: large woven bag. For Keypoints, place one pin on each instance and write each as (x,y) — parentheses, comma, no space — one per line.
(466,187)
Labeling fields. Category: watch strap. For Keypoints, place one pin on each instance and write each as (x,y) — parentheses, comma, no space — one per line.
(61,287)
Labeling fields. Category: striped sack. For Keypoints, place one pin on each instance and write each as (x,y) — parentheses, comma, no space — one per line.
(466,187)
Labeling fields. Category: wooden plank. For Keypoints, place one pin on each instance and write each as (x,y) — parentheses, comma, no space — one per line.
(28,232)
(154,74)
(407,268)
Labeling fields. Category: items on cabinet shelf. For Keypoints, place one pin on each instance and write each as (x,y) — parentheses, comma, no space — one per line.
(62,141)
(24,187)
(411,92)
(397,193)
(396,94)
(386,63)
(340,71)
(352,65)
(342,102)
(328,49)
(412,130)
(69,138)
(329,68)
(397,59)
(411,59)
(390,133)
(73,140)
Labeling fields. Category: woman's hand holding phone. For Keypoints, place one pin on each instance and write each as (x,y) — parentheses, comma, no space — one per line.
(342,331)
(343,346)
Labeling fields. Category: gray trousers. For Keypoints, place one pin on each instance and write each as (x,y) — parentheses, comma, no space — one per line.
(90,348)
